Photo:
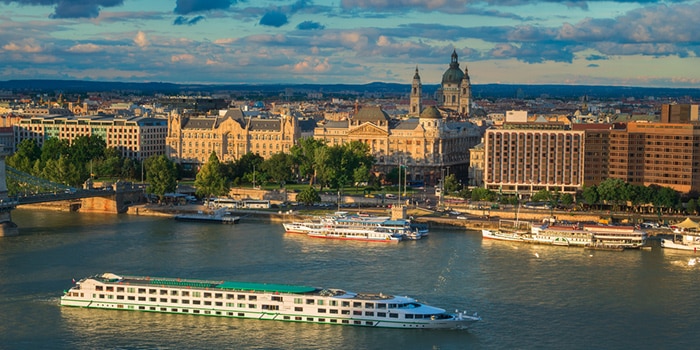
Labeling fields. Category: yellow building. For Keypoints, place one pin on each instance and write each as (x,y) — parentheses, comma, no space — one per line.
(231,135)
(427,145)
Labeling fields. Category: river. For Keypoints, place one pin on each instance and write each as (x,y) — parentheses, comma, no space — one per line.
(529,296)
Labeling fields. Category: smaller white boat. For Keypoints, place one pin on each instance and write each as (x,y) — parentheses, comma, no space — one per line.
(508,230)
(219,216)
(688,242)
(502,235)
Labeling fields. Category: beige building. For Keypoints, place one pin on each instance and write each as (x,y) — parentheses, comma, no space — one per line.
(136,137)
(231,135)
(477,164)
(527,157)
(427,145)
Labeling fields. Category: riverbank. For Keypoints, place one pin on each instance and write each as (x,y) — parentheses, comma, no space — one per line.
(449,223)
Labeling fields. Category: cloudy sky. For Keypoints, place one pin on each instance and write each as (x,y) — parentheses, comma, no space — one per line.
(623,42)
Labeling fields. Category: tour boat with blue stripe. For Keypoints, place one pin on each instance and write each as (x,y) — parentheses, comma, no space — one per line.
(260,301)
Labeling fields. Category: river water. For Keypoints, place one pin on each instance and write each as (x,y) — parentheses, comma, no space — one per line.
(529,296)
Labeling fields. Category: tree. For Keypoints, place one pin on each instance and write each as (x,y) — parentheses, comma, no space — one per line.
(161,174)
(210,180)
(451,185)
(482,194)
(87,148)
(278,168)
(567,199)
(613,191)
(26,155)
(62,170)
(242,169)
(304,153)
(308,196)
(692,206)
(53,148)
(590,195)
(360,175)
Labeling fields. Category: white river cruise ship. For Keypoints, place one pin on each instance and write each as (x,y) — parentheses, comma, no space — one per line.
(259,301)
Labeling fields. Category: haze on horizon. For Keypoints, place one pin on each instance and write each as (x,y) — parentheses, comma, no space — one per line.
(651,43)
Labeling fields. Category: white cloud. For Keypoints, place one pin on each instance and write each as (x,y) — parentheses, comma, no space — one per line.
(140,40)
(185,57)
(312,65)
(85,48)
(28,47)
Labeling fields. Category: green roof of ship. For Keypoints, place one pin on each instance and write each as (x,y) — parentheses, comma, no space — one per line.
(265,287)
(206,284)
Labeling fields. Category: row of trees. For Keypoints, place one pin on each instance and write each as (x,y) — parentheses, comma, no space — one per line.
(87,157)
(311,160)
(612,194)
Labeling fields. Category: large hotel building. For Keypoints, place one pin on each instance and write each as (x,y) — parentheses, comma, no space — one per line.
(525,156)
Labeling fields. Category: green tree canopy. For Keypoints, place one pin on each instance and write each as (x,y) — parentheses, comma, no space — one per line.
(304,153)
(308,196)
(86,148)
(161,174)
(210,180)
(278,168)
(451,184)
(28,152)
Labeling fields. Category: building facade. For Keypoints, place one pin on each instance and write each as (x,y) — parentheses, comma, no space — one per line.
(428,146)
(663,154)
(525,158)
(136,137)
(454,94)
(191,140)
(679,113)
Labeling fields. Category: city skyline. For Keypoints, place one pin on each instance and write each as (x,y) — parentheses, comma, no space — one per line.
(630,43)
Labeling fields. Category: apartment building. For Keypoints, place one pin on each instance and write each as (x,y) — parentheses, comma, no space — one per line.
(136,137)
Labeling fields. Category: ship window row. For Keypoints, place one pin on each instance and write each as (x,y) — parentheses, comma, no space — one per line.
(296,318)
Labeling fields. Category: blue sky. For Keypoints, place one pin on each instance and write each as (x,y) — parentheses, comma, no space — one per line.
(624,42)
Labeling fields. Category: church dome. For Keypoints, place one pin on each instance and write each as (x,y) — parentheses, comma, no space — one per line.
(431,113)
(453,75)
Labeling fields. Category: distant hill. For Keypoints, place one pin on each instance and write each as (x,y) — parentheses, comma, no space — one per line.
(388,89)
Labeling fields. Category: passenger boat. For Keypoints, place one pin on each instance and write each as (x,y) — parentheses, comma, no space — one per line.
(259,301)
(560,235)
(502,235)
(622,237)
(356,234)
(687,241)
(586,236)
(302,227)
(342,225)
(219,216)
(508,230)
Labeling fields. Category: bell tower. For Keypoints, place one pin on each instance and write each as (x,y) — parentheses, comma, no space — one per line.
(416,95)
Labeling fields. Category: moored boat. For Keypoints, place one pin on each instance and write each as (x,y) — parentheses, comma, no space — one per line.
(559,235)
(356,234)
(624,237)
(502,235)
(687,241)
(218,216)
(342,225)
(260,301)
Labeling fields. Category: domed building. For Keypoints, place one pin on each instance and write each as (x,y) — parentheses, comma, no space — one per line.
(454,94)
